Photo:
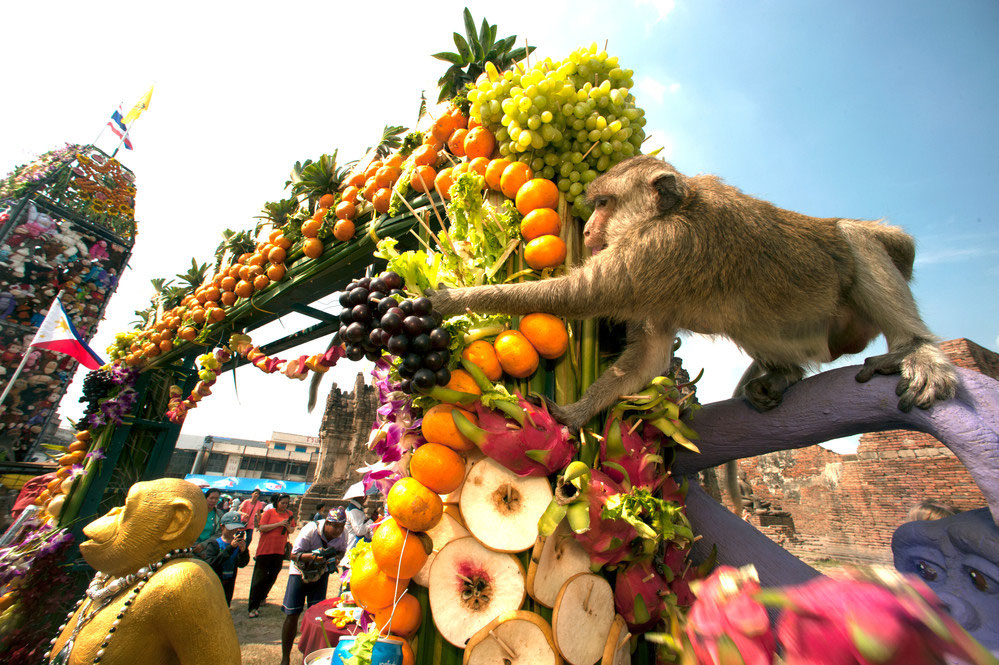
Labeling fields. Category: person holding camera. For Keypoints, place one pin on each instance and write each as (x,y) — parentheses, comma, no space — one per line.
(276,524)
(314,556)
(227,553)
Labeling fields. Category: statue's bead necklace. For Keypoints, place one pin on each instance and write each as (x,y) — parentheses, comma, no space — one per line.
(99,594)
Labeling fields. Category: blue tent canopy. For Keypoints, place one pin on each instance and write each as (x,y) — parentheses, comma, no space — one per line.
(247,485)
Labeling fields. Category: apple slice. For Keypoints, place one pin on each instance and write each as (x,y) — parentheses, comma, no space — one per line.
(554,560)
(513,638)
(471,457)
(470,586)
(502,509)
(449,528)
(582,618)
(617,650)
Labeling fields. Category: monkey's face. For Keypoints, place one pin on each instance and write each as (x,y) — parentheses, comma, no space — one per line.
(157,517)
(637,189)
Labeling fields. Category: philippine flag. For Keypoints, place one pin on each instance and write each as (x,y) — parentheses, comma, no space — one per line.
(57,333)
(117,125)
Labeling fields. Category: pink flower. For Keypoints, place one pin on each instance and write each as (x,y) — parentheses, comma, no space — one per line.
(727,623)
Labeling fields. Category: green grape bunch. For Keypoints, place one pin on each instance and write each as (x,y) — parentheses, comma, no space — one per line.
(569,121)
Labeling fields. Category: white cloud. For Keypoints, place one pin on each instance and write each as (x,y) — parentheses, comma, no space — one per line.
(674,88)
(646,86)
(953,255)
(662,7)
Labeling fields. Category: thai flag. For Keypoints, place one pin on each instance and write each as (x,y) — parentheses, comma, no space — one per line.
(117,126)
(57,333)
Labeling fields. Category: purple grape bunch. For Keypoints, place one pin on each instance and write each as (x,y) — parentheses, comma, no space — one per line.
(377,317)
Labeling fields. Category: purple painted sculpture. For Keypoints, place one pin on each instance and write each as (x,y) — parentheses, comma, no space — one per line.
(824,407)
(957,557)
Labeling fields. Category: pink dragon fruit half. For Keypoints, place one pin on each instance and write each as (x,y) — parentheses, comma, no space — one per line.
(631,458)
(524,438)
(727,624)
(608,540)
(639,592)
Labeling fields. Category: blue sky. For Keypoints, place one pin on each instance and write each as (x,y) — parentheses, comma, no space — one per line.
(851,109)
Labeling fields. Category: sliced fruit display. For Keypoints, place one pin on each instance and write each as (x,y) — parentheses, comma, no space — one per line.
(502,509)
(449,528)
(471,585)
(554,560)
(514,638)
(471,457)
(617,650)
(582,618)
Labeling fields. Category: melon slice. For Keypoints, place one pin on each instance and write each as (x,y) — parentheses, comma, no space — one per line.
(502,509)
(471,457)
(554,560)
(513,638)
(449,528)
(470,586)
(617,650)
(582,618)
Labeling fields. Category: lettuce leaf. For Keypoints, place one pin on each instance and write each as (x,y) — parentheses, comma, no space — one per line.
(654,519)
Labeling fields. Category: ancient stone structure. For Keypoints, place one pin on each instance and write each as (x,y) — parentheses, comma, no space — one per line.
(846,507)
(343,437)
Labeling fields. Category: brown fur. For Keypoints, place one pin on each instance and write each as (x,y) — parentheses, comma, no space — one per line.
(693,253)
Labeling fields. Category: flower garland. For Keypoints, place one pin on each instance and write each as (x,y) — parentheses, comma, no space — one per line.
(22,177)
(103,407)
(395,432)
(207,363)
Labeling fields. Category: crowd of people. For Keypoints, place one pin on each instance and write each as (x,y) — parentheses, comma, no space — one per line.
(319,549)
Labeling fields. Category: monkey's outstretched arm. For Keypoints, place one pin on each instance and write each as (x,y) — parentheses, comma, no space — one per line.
(584,293)
(647,355)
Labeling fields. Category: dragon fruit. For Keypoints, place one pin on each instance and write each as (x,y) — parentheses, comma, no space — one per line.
(728,624)
(522,437)
(639,592)
(608,541)
(630,458)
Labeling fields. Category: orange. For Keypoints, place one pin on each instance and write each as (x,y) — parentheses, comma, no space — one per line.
(405,617)
(343,230)
(187,333)
(277,255)
(460,119)
(478,165)
(311,228)
(326,201)
(513,178)
(479,142)
(537,193)
(261,282)
(481,353)
(382,199)
(370,187)
(438,467)
(350,194)
(257,259)
(516,354)
(167,345)
(373,168)
(313,248)
(463,382)
(386,175)
(414,505)
(423,179)
(408,657)
(344,210)
(244,289)
(357,180)
(228,298)
(495,171)
(456,144)
(425,155)
(443,182)
(216,314)
(398,552)
(546,333)
(459,169)
(540,222)
(276,272)
(372,588)
(443,127)
(545,252)
(438,427)
(395,160)
(320,213)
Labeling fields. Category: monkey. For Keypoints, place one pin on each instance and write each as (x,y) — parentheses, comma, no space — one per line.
(672,252)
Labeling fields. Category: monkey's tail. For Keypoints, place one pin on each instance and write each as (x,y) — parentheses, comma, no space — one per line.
(316,379)
(732,466)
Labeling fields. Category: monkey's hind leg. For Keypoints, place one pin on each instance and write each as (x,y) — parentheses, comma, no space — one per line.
(766,391)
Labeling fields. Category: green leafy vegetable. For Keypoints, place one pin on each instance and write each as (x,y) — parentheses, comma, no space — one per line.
(654,519)
(362,648)
(481,237)
(420,270)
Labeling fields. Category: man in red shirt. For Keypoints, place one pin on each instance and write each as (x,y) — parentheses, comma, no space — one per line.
(251,510)
(275,525)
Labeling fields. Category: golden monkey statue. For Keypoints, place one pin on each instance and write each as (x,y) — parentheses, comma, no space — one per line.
(150,602)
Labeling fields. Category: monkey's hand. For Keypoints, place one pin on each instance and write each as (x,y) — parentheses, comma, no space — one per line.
(927,374)
(574,416)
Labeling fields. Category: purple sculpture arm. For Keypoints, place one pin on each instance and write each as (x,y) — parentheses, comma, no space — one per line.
(833,404)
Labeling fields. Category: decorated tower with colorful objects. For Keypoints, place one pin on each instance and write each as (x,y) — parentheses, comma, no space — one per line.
(67,224)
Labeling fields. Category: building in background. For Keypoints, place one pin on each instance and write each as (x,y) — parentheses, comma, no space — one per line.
(284,456)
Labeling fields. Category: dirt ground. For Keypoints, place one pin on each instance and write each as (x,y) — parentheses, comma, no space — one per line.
(260,638)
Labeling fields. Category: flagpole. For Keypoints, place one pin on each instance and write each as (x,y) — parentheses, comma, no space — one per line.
(24,361)
(124,137)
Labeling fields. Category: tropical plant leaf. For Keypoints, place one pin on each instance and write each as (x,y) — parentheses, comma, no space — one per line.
(485,36)
(473,38)
(463,49)
(447,56)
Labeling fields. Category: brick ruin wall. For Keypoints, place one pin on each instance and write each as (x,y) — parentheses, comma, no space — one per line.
(846,507)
